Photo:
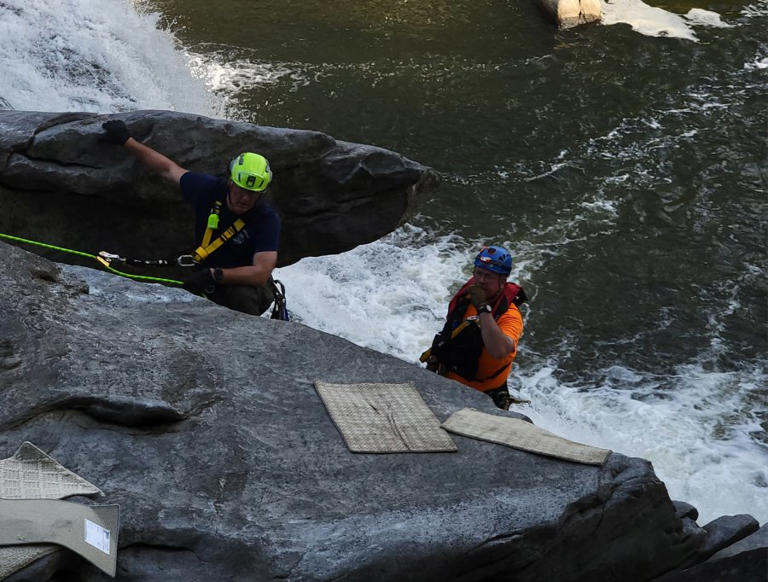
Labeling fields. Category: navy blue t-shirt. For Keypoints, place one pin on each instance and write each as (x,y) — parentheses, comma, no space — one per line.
(260,233)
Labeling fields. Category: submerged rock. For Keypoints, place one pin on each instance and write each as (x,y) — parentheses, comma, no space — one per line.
(332,195)
(226,465)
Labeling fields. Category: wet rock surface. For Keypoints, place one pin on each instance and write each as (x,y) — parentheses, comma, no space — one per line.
(743,561)
(203,424)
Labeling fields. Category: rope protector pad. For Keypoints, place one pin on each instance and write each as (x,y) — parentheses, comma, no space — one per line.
(522,435)
(384,418)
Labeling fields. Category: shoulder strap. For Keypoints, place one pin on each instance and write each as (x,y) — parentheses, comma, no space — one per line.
(207,246)
(515,294)
(460,295)
(213,223)
(203,252)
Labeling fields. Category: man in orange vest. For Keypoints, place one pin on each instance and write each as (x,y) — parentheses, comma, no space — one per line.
(479,340)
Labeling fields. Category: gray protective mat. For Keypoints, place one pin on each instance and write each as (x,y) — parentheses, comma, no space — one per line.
(88,530)
(32,474)
(384,418)
(522,435)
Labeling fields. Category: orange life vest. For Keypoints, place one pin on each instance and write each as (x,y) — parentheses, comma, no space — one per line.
(459,345)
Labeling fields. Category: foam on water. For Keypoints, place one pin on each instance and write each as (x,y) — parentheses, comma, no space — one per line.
(385,295)
(92,55)
(758,63)
(227,78)
(756,10)
(699,17)
(653,21)
(689,433)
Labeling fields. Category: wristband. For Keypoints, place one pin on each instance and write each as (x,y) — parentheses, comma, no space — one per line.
(218,275)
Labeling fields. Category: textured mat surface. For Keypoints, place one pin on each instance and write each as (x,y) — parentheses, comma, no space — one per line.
(384,418)
(31,474)
(522,435)
(15,558)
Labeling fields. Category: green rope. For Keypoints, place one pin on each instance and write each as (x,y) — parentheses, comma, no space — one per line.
(90,256)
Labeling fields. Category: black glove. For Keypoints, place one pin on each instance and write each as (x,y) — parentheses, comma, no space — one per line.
(433,364)
(115,132)
(478,298)
(200,282)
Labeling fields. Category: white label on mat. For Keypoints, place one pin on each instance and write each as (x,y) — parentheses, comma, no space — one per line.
(97,536)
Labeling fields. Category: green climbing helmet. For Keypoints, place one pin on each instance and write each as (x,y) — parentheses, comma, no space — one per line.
(250,171)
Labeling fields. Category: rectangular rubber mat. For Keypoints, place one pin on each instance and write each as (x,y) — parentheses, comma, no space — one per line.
(522,435)
(384,418)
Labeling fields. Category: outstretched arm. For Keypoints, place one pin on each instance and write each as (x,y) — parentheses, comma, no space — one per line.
(116,132)
(164,167)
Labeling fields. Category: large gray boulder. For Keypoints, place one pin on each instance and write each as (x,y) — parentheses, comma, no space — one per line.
(61,185)
(204,425)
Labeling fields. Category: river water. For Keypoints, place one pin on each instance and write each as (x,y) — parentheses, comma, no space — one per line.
(624,164)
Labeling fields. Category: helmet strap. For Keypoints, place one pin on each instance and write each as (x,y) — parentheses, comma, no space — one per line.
(229,194)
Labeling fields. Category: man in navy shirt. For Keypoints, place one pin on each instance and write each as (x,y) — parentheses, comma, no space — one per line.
(238,232)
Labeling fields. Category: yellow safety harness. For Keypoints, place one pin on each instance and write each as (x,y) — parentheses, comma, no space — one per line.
(207,246)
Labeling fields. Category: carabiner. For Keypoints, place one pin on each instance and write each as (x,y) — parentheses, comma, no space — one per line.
(186,261)
(111,257)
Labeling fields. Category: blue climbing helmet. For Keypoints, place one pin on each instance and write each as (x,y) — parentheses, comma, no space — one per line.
(495,259)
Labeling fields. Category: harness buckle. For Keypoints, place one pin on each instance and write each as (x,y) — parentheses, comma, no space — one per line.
(186,261)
